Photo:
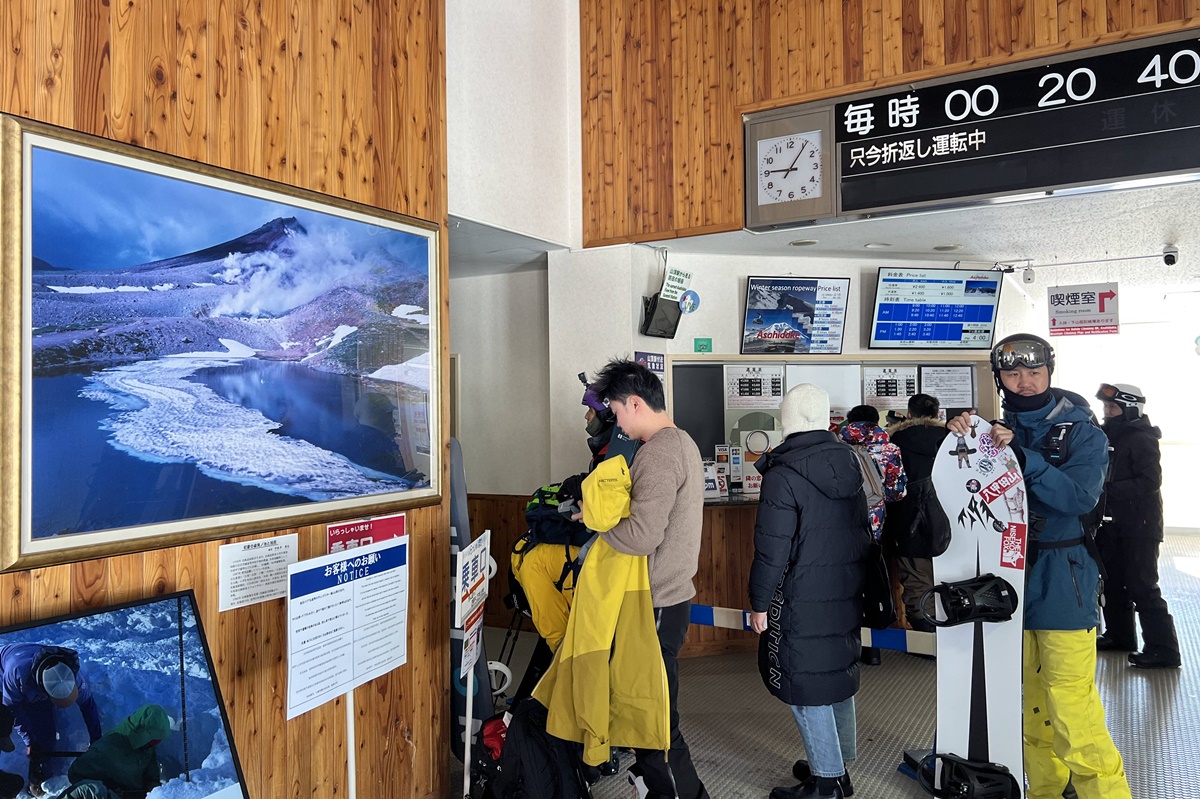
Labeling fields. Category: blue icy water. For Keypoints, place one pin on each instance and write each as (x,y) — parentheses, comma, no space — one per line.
(171,439)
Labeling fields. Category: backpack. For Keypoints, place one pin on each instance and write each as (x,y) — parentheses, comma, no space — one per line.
(922,528)
(872,483)
(1056,450)
(548,514)
(535,764)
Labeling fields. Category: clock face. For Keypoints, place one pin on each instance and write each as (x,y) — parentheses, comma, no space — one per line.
(790,168)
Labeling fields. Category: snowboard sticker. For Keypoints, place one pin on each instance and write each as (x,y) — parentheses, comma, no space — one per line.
(981,488)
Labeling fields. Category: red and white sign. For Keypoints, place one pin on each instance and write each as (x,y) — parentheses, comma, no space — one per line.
(364,532)
(1012,546)
(471,578)
(995,489)
(1083,310)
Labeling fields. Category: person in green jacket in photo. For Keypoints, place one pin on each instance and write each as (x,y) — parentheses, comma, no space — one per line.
(125,759)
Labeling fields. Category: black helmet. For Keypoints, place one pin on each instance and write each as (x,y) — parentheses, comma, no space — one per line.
(1021,349)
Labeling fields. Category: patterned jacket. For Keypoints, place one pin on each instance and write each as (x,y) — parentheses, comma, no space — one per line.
(887,455)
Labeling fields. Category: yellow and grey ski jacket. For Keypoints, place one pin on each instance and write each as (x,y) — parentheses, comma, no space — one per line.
(607,685)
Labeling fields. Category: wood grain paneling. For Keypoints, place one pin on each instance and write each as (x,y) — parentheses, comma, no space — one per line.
(345,97)
(726,551)
(662,134)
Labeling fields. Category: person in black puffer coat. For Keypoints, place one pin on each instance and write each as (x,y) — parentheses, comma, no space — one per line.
(1132,532)
(919,437)
(810,542)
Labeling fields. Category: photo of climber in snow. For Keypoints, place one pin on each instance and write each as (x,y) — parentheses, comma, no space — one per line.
(117,703)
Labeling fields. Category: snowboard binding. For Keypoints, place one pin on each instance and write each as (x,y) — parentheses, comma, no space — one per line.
(967,779)
(983,598)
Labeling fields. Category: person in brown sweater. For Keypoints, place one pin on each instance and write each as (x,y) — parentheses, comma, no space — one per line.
(666,511)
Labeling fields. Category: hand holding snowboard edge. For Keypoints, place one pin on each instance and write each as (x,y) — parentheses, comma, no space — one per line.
(961,425)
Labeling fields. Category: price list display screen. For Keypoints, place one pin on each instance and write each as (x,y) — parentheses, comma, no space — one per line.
(951,309)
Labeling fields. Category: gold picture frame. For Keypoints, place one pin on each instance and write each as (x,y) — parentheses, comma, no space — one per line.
(188,353)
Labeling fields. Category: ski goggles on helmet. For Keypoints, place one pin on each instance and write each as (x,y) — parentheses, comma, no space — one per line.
(1111,393)
(1029,353)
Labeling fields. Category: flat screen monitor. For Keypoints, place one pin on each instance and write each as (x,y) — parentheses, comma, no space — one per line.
(794,315)
(948,309)
(661,317)
(146,706)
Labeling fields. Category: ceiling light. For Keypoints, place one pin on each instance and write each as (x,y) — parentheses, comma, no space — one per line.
(947,247)
(803,242)
(877,245)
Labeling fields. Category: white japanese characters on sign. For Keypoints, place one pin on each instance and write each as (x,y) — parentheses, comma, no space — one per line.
(1081,310)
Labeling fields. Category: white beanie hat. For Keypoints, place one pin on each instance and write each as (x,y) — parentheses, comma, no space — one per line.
(804,408)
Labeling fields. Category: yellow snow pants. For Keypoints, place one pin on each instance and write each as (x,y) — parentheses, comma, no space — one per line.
(1064,730)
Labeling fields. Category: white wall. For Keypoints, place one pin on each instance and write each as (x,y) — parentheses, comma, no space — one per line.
(512,116)
(499,328)
(1155,351)
(591,322)
(720,280)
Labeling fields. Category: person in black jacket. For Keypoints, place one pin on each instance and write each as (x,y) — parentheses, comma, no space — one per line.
(1131,534)
(810,541)
(918,437)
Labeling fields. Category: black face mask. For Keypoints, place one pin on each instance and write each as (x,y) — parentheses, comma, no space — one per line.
(1021,403)
(595,425)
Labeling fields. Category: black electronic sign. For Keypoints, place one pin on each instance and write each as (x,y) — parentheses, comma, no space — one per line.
(1113,116)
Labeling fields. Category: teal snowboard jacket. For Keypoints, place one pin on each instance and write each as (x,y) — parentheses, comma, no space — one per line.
(1062,589)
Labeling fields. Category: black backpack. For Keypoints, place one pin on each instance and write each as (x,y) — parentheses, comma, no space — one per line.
(536,765)
(920,528)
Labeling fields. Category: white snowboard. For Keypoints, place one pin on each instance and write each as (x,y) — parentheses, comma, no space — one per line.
(981,488)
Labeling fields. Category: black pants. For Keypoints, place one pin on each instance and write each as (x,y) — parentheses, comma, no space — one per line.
(1132,565)
(676,776)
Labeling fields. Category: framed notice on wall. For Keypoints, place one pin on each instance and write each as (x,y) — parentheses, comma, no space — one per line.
(794,315)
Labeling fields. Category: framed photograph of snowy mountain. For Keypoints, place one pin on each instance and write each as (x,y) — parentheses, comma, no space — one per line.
(140,710)
(795,315)
(189,353)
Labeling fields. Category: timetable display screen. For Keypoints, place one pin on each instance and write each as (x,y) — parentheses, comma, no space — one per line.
(953,309)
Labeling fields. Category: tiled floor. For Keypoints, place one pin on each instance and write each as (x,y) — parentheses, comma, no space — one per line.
(744,740)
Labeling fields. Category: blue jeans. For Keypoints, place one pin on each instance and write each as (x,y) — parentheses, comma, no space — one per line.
(829,736)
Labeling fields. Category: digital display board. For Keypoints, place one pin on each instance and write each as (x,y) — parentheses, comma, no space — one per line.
(951,309)
(1128,111)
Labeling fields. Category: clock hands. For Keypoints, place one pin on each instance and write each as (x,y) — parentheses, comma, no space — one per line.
(793,167)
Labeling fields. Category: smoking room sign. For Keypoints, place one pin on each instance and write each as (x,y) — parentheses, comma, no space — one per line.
(1083,310)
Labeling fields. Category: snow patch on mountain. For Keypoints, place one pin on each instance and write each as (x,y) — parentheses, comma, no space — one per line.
(94,289)
(414,372)
(406,312)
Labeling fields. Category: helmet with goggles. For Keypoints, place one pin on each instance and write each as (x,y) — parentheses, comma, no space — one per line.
(1124,395)
(1022,349)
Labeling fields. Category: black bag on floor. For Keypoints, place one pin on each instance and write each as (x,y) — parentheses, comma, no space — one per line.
(535,764)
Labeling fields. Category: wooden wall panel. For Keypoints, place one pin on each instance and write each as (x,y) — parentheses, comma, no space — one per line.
(678,171)
(345,97)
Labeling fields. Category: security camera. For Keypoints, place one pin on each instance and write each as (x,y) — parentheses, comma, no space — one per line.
(1170,254)
(1026,275)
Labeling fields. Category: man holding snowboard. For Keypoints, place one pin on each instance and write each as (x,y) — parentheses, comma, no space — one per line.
(1063,456)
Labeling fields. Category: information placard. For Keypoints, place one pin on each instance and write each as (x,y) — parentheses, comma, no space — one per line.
(791,315)
(347,621)
(255,571)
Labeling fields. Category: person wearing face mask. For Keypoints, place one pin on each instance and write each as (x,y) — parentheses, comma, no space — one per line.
(1132,533)
(1063,455)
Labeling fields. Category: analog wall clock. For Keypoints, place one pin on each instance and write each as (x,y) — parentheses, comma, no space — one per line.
(788,173)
